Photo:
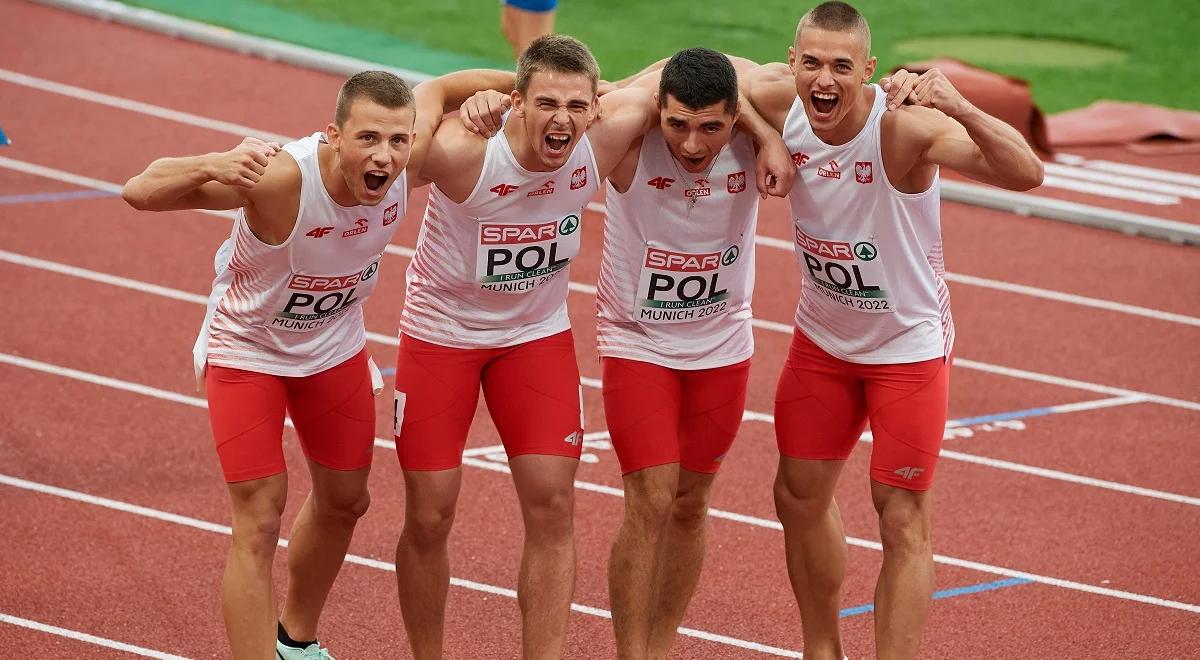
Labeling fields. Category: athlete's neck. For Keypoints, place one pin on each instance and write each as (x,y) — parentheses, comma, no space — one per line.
(329,162)
(852,124)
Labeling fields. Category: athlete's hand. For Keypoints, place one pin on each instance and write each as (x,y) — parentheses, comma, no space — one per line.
(774,171)
(931,89)
(483,113)
(899,87)
(242,166)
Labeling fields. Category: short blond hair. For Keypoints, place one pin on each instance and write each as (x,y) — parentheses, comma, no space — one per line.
(558,53)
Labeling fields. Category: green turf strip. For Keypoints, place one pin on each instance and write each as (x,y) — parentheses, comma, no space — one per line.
(1161,65)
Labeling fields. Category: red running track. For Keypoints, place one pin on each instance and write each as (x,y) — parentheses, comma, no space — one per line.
(1098,506)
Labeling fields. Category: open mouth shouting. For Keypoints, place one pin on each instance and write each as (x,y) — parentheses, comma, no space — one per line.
(824,104)
(693,164)
(374,180)
(557,143)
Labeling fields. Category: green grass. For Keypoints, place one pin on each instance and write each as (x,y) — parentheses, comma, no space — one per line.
(1162,65)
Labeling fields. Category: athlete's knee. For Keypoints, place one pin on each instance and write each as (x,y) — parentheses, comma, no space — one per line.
(648,507)
(904,528)
(345,506)
(690,508)
(429,526)
(257,532)
(793,501)
(549,512)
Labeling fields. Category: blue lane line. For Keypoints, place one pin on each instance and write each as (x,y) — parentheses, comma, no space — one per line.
(54,196)
(4,138)
(947,593)
(999,417)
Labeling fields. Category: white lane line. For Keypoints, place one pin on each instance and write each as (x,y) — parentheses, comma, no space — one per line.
(390,340)
(207,526)
(875,545)
(716,513)
(137,106)
(747,416)
(1108,190)
(767,241)
(1071,382)
(1126,169)
(85,637)
(1106,178)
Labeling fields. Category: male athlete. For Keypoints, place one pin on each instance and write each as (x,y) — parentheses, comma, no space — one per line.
(674,334)
(486,306)
(284,331)
(873,334)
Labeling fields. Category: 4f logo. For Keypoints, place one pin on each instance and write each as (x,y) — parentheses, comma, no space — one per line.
(579,178)
(862,171)
(360,227)
(503,189)
(574,438)
(661,182)
(799,158)
(736,182)
(909,473)
(390,214)
(319,232)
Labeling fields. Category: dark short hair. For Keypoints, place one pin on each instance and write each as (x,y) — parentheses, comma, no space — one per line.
(558,53)
(386,89)
(698,78)
(836,16)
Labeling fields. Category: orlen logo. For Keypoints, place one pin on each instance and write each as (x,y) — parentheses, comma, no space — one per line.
(319,232)
(391,213)
(831,173)
(503,189)
(799,158)
(682,263)
(331,282)
(736,182)
(546,189)
(701,189)
(579,178)
(360,227)
(829,249)
(516,234)
(862,171)
(660,182)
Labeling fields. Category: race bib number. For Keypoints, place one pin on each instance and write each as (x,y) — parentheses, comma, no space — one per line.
(310,302)
(518,258)
(677,287)
(849,273)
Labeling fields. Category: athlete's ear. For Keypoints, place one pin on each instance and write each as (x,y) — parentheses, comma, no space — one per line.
(518,104)
(792,58)
(870,71)
(334,136)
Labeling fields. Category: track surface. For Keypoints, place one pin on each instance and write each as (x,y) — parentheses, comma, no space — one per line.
(1061,532)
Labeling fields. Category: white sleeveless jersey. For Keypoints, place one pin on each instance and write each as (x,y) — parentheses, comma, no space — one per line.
(493,271)
(871,257)
(678,268)
(296,309)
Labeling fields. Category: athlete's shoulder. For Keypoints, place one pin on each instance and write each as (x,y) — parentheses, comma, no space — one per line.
(771,89)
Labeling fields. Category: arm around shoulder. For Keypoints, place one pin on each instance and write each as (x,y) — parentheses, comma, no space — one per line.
(216,181)
(771,89)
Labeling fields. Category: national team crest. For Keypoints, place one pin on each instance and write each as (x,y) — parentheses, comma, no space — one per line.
(579,178)
(863,171)
(736,182)
(390,214)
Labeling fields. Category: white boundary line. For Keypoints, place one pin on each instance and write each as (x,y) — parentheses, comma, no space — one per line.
(1087,174)
(85,637)
(767,241)
(1126,169)
(207,526)
(592,487)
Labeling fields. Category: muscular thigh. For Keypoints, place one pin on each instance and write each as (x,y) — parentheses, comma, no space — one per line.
(711,414)
(907,406)
(820,404)
(334,414)
(532,391)
(246,411)
(642,405)
(437,389)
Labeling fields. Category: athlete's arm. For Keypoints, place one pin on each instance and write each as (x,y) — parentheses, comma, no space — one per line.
(774,171)
(953,133)
(454,160)
(771,89)
(626,115)
(434,98)
(216,181)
